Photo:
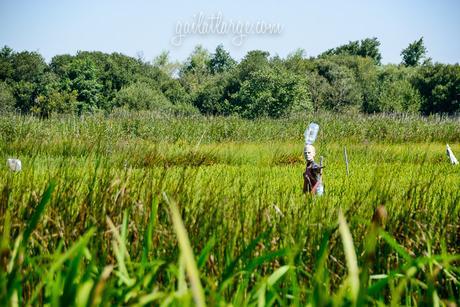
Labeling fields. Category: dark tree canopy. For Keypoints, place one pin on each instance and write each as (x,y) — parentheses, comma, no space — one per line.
(414,53)
(368,47)
(221,60)
(439,85)
(343,79)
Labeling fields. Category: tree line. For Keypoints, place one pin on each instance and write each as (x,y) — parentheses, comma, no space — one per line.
(346,78)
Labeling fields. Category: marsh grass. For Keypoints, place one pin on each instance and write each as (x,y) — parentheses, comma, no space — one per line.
(96,215)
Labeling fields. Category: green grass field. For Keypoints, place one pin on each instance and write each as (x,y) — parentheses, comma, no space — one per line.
(95,217)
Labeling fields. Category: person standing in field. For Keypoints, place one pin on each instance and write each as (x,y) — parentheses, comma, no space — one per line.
(312,182)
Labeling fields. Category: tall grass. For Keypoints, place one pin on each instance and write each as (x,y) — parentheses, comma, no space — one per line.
(101,130)
(132,209)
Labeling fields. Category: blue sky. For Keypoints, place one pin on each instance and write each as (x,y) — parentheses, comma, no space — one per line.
(147,27)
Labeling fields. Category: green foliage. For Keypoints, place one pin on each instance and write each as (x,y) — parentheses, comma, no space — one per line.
(170,87)
(319,89)
(61,102)
(119,71)
(366,74)
(341,91)
(221,61)
(253,61)
(141,96)
(24,71)
(398,96)
(414,53)
(297,63)
(6,63)
(257,87)
(273,93)
(195,70)
(28,66)
(173,90)
(60,64)
(25,94)
(7,100)
(348,78)
(439,86)
(215,95)
(95,76)
(395,92)
(368,47)
(82,78)
(163,62)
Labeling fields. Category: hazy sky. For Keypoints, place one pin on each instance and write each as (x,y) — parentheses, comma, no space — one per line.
(148,27)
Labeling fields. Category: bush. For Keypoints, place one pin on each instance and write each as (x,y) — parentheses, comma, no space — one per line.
(398,96)
(439,85)
(24,93)
(273,93)
(7,101)
(141,96)
(344,91)
(213,98)
(55,102)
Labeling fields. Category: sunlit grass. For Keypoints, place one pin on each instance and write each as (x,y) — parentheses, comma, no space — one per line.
(92,217)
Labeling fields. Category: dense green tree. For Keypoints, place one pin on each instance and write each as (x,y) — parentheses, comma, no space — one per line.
(6,64)
(221,61)
(272,92)
(163,62)
(398,96)
(319,89)
(55,102)
(25,93)
(28,66)
(7,100)
(174,91)
(341,79)
(111,71)
(118,71)
(195,70)
(170,87)
(396,92)
(297,63)
(344,92)
(368,47)
(82,78)
(366,75)
(257,87)
(23,71)
(439,86)
(141,96)
(253,61)
(60,64)
(414,53)
(216,95)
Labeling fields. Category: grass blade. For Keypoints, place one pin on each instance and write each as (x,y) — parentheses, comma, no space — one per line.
(350,256)
(187,253)
(38,212)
